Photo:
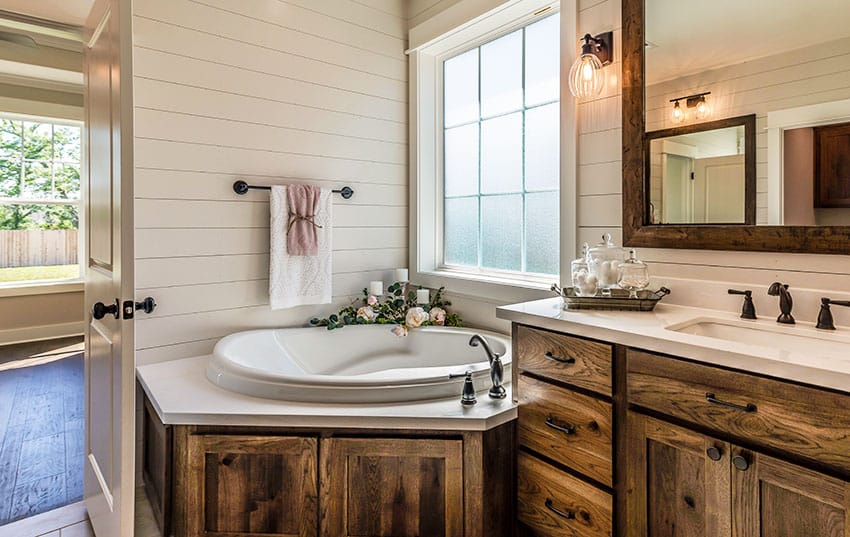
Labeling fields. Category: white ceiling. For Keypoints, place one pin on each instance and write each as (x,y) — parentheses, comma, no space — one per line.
(692,36)
(72,12)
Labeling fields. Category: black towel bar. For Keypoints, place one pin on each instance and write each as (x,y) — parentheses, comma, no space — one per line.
(241,187)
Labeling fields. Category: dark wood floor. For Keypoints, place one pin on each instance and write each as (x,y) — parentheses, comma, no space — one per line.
(41,427)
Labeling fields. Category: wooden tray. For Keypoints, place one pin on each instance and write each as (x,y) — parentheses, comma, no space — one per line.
(618,300)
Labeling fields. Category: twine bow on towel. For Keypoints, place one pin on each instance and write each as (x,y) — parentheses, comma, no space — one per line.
(293,217)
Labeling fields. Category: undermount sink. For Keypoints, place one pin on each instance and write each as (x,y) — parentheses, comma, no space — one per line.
(799,338)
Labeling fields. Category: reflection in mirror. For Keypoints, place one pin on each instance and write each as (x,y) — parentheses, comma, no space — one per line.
(772,59)
(700,174)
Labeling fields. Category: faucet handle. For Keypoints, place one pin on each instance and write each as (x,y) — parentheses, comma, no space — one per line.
(467,398)
(825,321)
(748,311)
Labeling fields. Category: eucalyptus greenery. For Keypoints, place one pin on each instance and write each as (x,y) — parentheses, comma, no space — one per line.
(393,308)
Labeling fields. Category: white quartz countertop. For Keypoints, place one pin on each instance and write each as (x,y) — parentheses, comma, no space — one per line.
(647,330)
(182,395)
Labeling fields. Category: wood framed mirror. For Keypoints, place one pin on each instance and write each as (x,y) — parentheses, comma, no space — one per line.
(792,85)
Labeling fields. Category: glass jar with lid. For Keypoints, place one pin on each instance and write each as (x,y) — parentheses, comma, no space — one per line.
(583,280)
(634,274)
(605,260)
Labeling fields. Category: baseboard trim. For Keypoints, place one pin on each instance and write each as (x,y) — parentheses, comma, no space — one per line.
(41,333)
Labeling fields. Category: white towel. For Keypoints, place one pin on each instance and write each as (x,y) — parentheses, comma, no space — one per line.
(299,280)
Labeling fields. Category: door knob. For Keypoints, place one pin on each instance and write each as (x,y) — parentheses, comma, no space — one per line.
(147,305)
(101,310)
(740,462)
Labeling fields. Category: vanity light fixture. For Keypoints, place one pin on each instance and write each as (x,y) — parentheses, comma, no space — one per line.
(697,101)
(586,77)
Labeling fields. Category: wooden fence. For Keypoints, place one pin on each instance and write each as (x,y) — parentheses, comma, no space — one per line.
(33,248)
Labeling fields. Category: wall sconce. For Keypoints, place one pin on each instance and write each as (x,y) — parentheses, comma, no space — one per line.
(697,101)
(586,78)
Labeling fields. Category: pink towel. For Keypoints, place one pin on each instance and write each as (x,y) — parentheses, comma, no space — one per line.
(301,237)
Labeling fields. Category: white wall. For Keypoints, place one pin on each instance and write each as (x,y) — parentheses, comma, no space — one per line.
(270,91)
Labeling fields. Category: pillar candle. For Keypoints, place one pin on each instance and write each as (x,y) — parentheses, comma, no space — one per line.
(423,296)
(401,275)
(376,288)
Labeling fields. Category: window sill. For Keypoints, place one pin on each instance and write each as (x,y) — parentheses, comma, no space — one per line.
(488,287)
(41,288)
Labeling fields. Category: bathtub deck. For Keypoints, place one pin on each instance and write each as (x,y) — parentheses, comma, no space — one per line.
(182,395)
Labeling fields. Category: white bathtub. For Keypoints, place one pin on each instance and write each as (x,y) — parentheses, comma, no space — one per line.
(355,364)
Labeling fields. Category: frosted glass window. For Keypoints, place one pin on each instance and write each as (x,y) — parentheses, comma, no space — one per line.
(461,233)
(461,159)
(542,252)
(542,62)
(501,75)
(501,232)
(542,140)
(501,154)
(501,149)
(460,89)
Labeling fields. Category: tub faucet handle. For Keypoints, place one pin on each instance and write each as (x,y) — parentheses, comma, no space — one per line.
(825,321)
(748,310)
(467,398)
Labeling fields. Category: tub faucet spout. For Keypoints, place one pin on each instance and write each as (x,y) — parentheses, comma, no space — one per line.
(497,369)
(785,302)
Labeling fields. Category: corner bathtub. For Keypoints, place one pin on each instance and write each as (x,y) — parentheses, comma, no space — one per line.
(355,364)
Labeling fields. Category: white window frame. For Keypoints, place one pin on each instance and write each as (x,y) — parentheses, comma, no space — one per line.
(464,26)
(37,287)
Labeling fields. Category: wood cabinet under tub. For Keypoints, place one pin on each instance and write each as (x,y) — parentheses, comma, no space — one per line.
(617,441)
(218,481)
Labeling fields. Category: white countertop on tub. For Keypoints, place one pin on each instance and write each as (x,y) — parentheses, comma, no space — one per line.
(646,330)
(182,395)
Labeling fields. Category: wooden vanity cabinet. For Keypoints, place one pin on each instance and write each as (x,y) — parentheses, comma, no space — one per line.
(229,481)
(685,483)
(564,385)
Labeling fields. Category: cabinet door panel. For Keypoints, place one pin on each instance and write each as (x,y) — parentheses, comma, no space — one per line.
(247,485)
(675,489)
(392,487)
(779,499)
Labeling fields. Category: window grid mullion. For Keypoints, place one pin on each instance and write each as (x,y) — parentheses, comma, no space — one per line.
(480,166)
(524,231)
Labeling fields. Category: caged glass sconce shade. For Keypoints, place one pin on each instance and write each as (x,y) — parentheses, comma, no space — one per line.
(586,78)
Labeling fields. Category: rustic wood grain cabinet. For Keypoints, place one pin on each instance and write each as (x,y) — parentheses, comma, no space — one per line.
(229,481)
(565,430)
(617,441)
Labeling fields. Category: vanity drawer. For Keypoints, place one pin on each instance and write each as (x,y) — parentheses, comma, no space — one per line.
(576,361)
(811,423)
(553,503)
(567,427)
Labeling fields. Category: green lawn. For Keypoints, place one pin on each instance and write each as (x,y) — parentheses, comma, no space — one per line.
(24,274)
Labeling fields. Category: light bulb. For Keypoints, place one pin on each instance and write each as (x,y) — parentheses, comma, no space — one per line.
(678,113)
(586,78)
(703,110)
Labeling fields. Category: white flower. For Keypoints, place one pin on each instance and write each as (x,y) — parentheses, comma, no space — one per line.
(438,316)
(366,313)
(415,317)
(372,300)
(400,330)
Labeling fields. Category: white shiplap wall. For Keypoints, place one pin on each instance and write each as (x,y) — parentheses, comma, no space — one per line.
(271,91)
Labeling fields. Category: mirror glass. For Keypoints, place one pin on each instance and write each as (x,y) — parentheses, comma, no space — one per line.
(787,63)
(697,177)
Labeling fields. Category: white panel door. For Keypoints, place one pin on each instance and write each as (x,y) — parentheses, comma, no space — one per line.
(719,185)
(109,371)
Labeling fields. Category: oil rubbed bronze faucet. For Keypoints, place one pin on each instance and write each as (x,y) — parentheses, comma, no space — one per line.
(497,369)
(825,321)
(785,302)
(748,310)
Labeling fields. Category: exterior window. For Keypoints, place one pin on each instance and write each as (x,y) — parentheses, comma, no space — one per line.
(39,200)
(501,170)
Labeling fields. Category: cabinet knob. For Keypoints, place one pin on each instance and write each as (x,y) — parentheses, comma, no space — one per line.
(740,462)
(714,453)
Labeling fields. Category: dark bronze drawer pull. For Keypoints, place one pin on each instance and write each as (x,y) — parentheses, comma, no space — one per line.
(569,515)
(565,428)
(749,407)
(567,360)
